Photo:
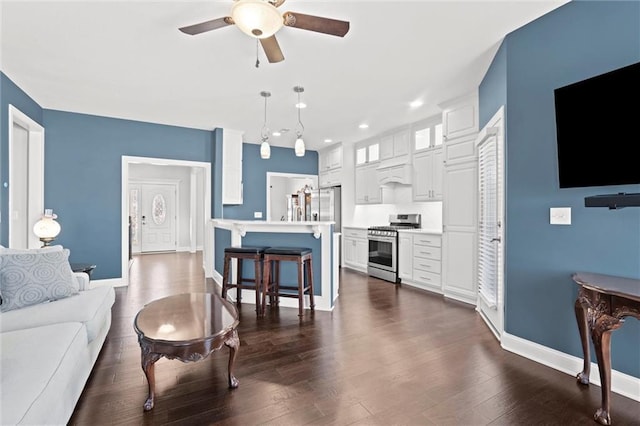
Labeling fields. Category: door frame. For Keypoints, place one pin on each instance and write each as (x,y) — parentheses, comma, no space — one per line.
(35,184)
(124,196)
(176,184)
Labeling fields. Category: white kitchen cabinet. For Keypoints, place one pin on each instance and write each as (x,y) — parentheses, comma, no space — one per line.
(367,151)
(367,187)
(460,116)
(396,145)
(459,247)
(330,178)
(427,133)
(330,158)
(428,170)
(355,248)
(405,256)
(419,260)
(232,166)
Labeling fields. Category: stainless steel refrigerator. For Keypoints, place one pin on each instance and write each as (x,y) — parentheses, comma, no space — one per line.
(330,208)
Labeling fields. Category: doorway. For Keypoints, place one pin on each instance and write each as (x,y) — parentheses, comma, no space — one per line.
(490,145)
(26,178)
(153,215)
(198,207)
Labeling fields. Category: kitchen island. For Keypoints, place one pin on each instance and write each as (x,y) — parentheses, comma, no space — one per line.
(318,236)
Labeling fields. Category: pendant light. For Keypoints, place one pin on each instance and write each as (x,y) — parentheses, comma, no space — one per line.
(299,145)
(265,149)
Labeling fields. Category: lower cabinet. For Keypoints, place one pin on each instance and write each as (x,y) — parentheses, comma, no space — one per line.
(355,248)
(420,258)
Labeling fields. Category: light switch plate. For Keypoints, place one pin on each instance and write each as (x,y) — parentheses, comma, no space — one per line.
(560,215)
(257,215)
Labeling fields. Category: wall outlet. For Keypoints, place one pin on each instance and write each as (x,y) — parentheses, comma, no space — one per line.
(560,215)
(257,215)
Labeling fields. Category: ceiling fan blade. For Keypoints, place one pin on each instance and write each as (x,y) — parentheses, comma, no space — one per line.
(316,23)
(207,26)
(272,49)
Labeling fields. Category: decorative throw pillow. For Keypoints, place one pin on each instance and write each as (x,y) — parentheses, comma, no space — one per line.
(30,278)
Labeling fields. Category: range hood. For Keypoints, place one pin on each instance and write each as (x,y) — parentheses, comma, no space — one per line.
(399,175)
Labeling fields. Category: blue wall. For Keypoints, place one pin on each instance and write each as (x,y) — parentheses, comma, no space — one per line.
(83,155)
(11,94)
(254,177)
(574,42)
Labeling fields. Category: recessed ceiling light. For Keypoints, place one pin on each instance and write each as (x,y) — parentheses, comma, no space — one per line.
(364,126)
(328,140)
(276,133)
(417,103)
(301,105)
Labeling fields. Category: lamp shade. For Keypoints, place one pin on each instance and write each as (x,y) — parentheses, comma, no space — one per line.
(299,147)
(265,150)
(46,228)
(256,18)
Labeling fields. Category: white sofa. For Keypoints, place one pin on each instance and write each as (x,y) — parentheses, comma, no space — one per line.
(47,352)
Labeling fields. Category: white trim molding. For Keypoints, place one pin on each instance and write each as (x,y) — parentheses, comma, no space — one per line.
(621,383)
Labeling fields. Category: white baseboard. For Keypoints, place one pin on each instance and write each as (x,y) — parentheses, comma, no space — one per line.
(113,282)
(621,383)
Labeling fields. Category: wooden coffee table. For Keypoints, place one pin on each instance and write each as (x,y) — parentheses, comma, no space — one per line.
(187,327)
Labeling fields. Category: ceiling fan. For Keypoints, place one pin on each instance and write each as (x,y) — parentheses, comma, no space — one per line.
(261,19)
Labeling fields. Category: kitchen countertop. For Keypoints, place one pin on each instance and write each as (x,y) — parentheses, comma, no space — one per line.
(422,231)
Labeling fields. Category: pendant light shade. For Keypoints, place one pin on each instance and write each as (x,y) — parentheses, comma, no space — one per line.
(265,148)
(299,145)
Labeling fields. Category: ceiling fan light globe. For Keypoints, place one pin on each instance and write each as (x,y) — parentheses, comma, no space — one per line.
(265,150)
(256,18)
(299,147)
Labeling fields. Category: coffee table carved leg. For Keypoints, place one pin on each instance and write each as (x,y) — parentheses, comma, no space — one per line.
(583,326)
(234,345)
(148,366)
(601,336)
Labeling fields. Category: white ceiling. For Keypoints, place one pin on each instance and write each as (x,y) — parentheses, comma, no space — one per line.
(127,59)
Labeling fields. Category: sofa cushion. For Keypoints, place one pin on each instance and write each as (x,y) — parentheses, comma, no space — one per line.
(30,278)
(89,307)
(38,385)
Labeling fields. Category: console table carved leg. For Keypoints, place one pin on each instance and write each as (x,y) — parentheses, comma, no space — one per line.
(583,326)
(234,345)
(148,366)
(601,336)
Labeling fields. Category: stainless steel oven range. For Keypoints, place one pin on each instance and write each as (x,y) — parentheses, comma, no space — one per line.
(383,245)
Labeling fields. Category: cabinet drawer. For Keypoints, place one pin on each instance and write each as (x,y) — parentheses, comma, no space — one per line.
(354,233)
(425,265)
(426,252)
(427,240)
(429,278)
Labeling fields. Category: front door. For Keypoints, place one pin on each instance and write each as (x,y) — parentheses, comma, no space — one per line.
(153,216)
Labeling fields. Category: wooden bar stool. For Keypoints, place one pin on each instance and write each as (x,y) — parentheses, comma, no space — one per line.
(243,253)
(275,289)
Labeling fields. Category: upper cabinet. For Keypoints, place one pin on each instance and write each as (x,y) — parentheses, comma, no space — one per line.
(330,166)
(460,116)
(330,158)
(232,166)
(427,134)
(396,146)
(367,152)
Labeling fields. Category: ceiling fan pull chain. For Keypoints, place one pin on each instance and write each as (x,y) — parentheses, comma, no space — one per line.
(257,53)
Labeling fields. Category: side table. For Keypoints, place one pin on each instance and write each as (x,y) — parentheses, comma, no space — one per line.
(83,267)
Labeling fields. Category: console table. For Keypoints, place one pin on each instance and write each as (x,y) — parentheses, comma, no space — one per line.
(603,301)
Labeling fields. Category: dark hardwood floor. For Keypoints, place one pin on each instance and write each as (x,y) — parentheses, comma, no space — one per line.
(386,355)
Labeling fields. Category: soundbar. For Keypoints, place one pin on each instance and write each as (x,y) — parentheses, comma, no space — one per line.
(613,201)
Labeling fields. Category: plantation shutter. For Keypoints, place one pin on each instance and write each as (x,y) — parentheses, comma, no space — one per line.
(489,226)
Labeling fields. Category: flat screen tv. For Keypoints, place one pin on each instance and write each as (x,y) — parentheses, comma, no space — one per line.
(598,129)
